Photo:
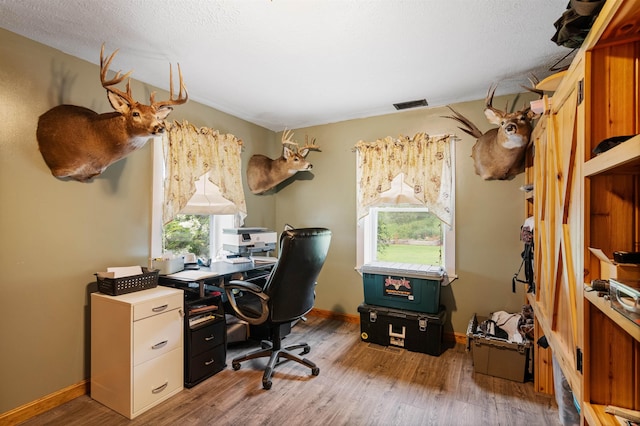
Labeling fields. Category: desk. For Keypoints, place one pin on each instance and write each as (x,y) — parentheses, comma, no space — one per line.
(215,275)
(205,340)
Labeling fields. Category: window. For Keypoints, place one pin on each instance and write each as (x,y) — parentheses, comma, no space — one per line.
(198,227)
(406,236)
(406,195)
(410,235)
(197,234)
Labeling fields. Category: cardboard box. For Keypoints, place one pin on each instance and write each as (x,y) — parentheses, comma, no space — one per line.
(401,286)
(610,269)
(414,331)
(497,357)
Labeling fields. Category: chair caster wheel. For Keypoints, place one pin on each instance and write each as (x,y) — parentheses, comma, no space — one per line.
(306,350)
(315,371)
(266,385)
(235,366)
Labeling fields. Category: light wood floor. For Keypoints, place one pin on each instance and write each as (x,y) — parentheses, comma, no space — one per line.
(359,384)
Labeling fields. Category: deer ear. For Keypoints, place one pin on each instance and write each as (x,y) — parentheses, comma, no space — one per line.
(287,152)
(163,112)
(492,116)
(304,152)
(532,115)
(118,103)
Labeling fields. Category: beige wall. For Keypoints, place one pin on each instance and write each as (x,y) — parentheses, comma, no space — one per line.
(488,214)
(56,234)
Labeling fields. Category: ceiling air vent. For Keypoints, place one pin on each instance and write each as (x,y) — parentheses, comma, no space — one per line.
(411,104)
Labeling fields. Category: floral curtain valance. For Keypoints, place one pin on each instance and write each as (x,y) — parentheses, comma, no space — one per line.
(190,152)
(425,162)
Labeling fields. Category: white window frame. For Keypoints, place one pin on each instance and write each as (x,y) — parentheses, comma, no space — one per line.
(216,222)
(367,230)
(157,198)
(367,238)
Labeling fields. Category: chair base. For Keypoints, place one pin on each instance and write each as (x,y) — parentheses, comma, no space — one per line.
(275,353)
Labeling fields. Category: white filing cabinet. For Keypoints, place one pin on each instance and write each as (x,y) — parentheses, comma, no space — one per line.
(136,349)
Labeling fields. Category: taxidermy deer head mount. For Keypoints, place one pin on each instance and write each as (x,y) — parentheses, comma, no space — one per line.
(264,173)
(78,143)
(499,154)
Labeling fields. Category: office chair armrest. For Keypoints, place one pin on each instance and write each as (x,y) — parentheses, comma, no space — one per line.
(253,289)
(248,286)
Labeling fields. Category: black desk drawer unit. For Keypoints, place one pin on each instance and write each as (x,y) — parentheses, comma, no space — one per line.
(205,350)
(205,344)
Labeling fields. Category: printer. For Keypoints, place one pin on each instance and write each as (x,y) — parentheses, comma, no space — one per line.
(245,241)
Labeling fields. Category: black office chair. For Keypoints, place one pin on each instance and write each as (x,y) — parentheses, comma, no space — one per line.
(287,295)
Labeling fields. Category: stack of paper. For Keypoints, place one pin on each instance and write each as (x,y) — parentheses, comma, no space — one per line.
(121,271)
(239,259)
(264,259)
(193,275)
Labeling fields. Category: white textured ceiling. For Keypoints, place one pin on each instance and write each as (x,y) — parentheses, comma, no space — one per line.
(297,63)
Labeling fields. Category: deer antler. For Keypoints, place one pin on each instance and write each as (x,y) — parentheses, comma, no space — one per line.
(286,137)
(470,129)
(104,67)
(182,98)
(488,101)
(107,84)
(286,140)
(534,82)
(312,146)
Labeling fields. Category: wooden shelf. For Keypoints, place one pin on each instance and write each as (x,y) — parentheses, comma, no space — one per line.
(624,158)
(594,414)
(605,307)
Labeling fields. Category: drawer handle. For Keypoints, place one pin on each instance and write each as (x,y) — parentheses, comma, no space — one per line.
(159,345)
(160,388)
(207,339)
(159,308)
(209,362)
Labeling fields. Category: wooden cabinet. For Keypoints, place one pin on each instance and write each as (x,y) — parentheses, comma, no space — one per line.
(136,349)
(582,200)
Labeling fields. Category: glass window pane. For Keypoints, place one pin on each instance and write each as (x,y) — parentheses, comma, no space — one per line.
(408,236)
(188,233)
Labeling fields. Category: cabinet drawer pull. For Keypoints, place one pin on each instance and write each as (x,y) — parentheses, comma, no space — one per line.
(159,345)
(160,308)
(160,388)
(209,362)
(207,339)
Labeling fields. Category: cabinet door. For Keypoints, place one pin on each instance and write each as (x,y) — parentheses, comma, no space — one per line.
(558,230)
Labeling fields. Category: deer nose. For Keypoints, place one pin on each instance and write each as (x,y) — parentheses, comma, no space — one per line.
(511,128)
